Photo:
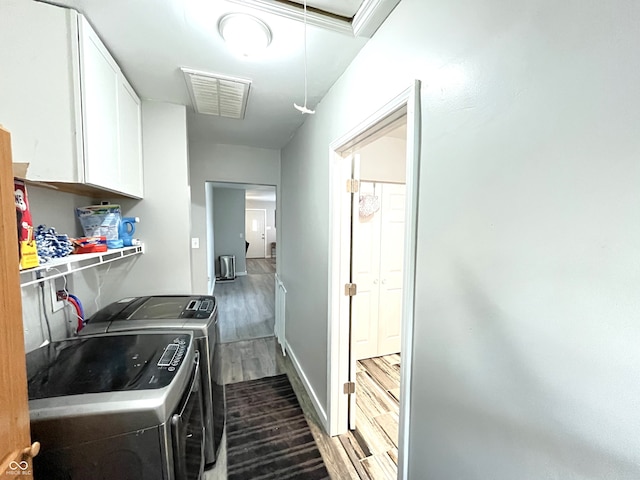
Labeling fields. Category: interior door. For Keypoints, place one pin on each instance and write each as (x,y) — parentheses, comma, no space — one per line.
(15,450)
(355,176)
(391,269)
(255,233)
(366,264)
(378,254)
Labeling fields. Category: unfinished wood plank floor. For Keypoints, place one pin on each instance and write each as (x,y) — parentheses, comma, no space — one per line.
(246,306)
(373,447)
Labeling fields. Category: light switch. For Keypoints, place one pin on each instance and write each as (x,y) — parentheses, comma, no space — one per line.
(195,243)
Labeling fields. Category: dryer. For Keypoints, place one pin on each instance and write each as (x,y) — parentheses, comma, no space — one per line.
(194,313)
(124,406)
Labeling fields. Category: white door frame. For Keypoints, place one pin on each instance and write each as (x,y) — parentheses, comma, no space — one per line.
(339,257)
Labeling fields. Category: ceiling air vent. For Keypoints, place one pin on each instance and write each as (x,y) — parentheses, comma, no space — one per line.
(213,94)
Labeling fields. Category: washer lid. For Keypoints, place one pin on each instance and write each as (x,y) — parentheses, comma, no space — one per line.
(171,307)
(106,363)
(167,308)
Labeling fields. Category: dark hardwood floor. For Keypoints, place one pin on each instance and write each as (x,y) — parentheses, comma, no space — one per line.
(368,453)
(258,358)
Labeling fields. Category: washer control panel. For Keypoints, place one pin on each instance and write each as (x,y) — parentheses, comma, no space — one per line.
(173,354)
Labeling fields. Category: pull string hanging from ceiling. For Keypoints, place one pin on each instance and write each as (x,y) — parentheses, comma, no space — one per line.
(303,109)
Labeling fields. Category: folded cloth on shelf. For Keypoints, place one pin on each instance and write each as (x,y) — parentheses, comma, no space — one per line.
(50,244)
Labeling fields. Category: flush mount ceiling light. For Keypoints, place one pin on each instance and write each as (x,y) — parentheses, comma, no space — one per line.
(245,34)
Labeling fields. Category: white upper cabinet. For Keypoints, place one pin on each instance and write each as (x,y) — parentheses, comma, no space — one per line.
(99,92)
(130,126)
(72,114)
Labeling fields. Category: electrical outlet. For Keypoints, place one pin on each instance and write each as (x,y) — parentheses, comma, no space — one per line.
(57,304)
(195,243)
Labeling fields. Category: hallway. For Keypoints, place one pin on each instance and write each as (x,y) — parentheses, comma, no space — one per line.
(246,305)
(259,358)
(366,454)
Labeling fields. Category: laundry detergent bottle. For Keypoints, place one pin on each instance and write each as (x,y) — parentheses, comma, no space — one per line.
(127,229)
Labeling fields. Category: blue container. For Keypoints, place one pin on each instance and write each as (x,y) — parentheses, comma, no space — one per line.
(127,229)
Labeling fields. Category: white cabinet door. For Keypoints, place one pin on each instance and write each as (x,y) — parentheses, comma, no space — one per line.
(74,117)
(99,85)
(130,134)
(38,86)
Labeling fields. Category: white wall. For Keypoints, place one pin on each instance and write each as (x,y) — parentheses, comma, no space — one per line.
(526,339)
(384,160)
(210,162)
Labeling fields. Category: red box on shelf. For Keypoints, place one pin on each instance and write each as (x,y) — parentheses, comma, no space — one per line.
(89,244)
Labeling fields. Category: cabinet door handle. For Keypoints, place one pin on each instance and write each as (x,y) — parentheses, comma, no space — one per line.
(375,282)
(384,281)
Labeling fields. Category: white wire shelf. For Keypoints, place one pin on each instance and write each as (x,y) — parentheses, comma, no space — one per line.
(59,267)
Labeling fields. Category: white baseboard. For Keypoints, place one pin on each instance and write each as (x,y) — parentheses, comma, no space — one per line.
(312,394)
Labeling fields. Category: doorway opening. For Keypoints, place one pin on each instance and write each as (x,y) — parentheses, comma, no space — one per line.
(372,258)
(240,226)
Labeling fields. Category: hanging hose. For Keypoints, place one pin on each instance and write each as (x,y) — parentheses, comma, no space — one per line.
(77,306)
(73,303)
(77,300)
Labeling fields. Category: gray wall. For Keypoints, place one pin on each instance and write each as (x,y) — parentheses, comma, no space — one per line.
(57,209)
(228,226)
(209,240)
(165,211)
(211,162)
(526,339)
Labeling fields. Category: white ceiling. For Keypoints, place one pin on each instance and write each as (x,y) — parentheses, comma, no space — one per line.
(152,39)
